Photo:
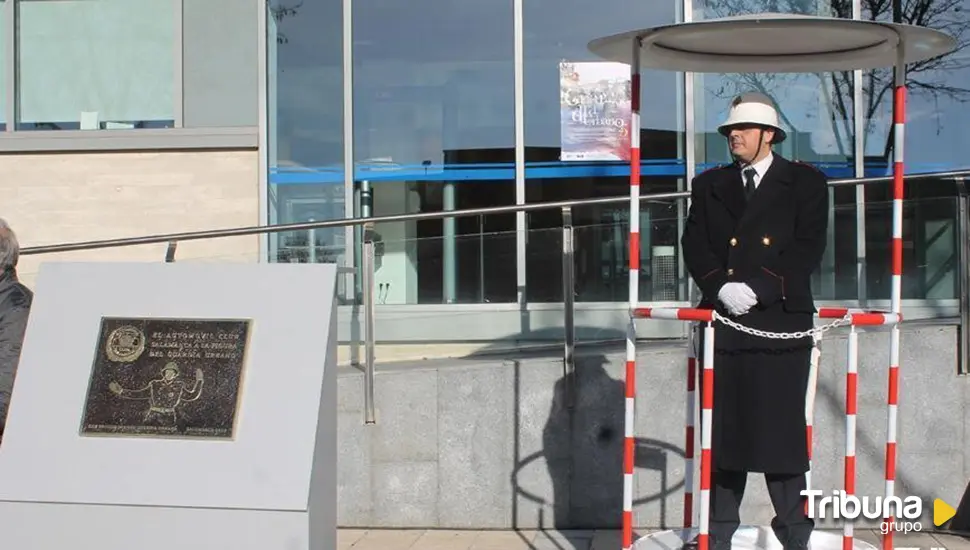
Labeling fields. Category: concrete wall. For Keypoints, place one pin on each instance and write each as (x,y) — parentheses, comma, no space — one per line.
(490,444)
(52,198)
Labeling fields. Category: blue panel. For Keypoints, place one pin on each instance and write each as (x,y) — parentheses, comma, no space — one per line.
(548,170)
(476,172)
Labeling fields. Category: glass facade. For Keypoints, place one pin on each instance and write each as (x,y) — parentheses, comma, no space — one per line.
(550,37)
(305,104)
(122,77)
(432,132)
(450,109)
(103,65)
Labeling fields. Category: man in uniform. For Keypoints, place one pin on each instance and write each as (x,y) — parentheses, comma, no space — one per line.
(753,237)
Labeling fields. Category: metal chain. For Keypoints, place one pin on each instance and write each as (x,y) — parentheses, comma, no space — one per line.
(815,332)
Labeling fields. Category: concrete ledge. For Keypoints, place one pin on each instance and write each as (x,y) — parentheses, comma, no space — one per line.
(493,443)
(154,139)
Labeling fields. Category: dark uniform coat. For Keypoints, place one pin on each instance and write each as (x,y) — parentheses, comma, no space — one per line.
(773,242)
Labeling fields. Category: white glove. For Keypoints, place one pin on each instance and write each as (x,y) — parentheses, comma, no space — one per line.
(738,298)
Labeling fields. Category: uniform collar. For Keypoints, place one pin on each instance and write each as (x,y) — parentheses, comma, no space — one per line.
(761,167)
(730,189)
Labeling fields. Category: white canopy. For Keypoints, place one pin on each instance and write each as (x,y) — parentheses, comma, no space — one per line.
(779,43)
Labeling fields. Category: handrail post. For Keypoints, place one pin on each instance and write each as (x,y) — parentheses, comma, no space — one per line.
(357,280)
(170,252)
(963,250)
(369,313)
(568,302)
(311,237)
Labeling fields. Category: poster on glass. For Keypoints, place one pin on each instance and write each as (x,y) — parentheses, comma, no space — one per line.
(594,113)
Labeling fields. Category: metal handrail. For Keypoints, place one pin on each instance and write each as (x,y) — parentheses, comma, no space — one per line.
(368,258)
(344,222)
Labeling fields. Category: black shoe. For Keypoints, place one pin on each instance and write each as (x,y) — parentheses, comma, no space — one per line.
(793,541)
(794,544)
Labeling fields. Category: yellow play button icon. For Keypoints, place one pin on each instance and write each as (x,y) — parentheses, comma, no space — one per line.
(942,512)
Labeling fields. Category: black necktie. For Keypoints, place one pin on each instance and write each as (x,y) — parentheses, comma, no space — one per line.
(749,182)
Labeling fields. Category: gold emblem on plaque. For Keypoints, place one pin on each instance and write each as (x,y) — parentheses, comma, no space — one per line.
(125,344)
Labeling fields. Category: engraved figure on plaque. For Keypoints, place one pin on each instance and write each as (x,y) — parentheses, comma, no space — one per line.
(163,394)
(166,378)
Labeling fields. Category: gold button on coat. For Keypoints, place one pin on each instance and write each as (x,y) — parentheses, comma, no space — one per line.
(734,242)
(730,272)
(766,241)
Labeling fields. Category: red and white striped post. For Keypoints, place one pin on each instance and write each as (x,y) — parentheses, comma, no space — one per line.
(899,120)
(851,389)
(689,442)
(860,318)
(707,424)
(810,412)
(631,337)
(705,316)
(855,319)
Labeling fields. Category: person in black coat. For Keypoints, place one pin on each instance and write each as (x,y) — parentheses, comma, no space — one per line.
(755,233)
(15,301)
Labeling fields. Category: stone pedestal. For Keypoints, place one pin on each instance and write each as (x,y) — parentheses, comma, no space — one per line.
(163,406)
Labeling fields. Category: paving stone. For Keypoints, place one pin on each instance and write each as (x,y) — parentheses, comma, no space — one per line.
(606,539)
(388,539)
(504,540)
(445,540)
(348,537)
(563,540)
(951,542)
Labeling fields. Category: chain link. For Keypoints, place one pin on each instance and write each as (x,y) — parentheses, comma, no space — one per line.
(816,332)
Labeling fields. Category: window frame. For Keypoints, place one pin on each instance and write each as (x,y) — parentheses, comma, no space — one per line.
(177,138)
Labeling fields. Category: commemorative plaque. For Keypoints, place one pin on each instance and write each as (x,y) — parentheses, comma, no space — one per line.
(166,378)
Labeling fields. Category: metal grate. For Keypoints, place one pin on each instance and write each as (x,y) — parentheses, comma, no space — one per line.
(663,274)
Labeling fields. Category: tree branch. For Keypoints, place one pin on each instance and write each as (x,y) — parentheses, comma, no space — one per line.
(929,79)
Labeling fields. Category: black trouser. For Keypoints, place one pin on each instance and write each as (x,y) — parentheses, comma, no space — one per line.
(790,524)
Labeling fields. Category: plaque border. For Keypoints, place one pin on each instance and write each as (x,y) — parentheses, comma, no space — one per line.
(237,409)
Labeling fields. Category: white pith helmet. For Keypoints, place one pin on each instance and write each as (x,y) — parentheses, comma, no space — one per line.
(753,108)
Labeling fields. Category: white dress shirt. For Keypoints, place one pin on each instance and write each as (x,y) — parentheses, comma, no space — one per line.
(760,167)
